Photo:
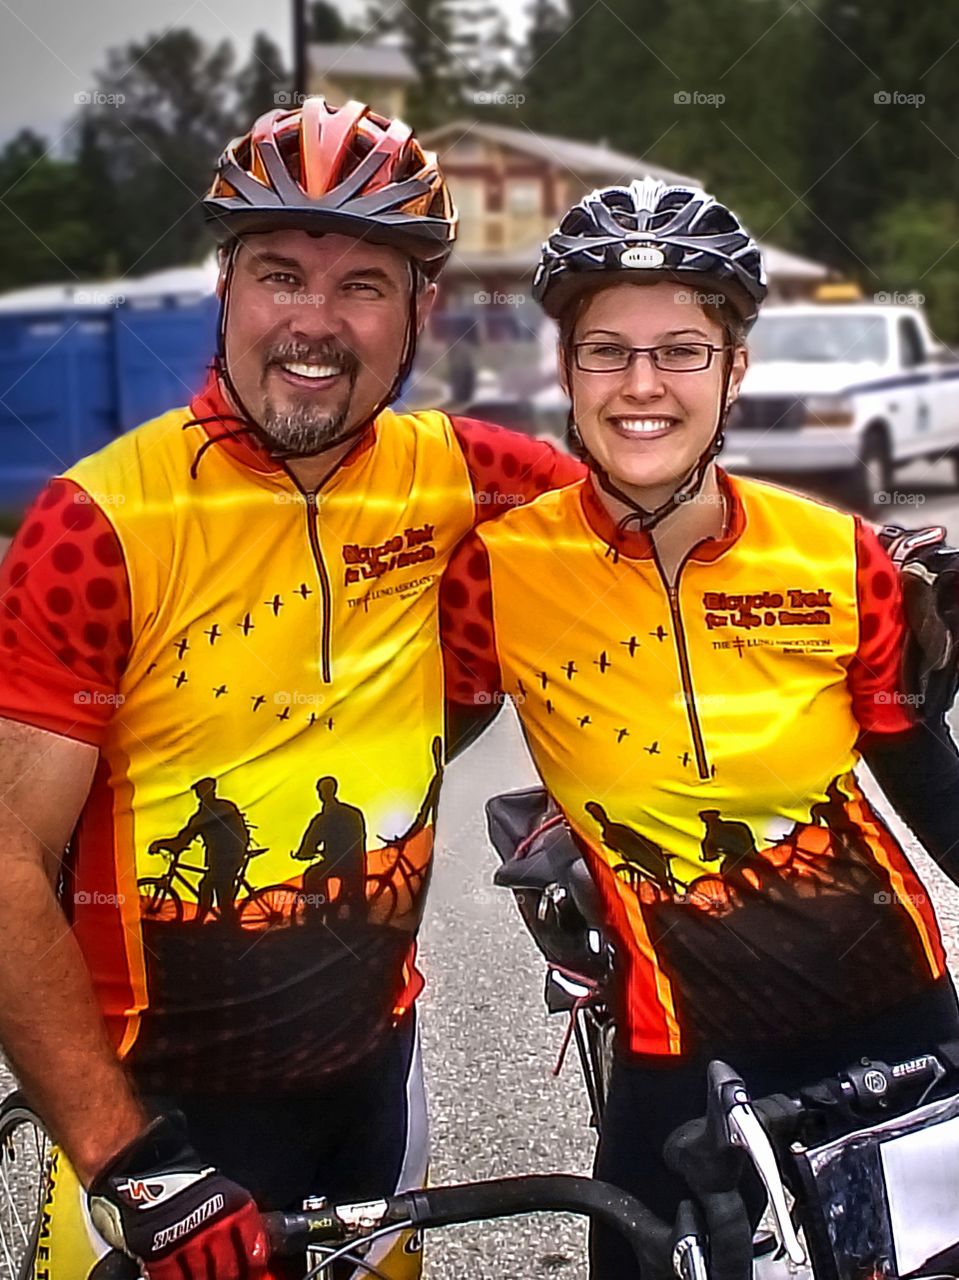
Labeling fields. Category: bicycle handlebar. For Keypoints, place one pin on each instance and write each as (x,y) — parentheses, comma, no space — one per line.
(290,1233)
(709,1154)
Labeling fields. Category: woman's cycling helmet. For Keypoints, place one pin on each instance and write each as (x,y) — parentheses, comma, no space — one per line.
(343,169)
(650,231)
(643,233)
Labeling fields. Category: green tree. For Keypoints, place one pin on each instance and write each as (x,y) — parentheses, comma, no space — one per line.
(459,48)
(262,79)
(914,246)
(45,234)
(425,31)
(164,109)
(325,24)
(710,88)
(869,142)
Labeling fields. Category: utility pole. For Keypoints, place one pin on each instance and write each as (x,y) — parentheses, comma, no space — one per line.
(299,50)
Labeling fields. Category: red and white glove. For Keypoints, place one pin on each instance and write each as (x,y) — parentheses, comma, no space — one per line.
(175,1214)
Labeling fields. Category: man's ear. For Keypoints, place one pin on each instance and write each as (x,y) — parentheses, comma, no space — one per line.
(222,262)
(424,305)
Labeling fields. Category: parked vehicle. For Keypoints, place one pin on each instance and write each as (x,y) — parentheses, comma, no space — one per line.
(848,392)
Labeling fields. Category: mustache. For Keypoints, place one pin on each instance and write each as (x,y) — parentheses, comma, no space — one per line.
(329,351)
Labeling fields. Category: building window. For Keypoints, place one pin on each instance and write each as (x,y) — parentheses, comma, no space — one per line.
(524,197)
(469,195)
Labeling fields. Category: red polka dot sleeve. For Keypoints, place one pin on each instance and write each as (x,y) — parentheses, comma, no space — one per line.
(874,673)
(65,613)
(508,468)
(466,627)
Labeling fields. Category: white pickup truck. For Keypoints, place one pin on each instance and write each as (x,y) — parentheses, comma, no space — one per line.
(847,391)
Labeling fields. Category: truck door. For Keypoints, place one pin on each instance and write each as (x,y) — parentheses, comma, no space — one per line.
(917,427)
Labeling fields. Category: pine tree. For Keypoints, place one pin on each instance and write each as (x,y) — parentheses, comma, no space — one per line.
(164,110)
(262,79)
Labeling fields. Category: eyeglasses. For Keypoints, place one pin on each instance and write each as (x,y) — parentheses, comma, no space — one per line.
(674,357)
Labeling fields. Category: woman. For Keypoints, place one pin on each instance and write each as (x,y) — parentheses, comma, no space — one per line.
(699,661)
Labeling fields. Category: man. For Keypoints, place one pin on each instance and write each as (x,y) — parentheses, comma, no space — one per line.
(242,590)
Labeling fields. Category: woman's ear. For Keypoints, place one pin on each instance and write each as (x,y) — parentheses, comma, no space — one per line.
(740,364)
(562,368)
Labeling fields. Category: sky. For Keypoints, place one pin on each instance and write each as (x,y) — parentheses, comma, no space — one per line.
(49,49)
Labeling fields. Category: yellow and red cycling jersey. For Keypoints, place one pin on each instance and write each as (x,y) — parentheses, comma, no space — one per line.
(261,672)
(701,740)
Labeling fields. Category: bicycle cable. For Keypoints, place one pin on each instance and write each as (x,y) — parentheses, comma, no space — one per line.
(346,1252)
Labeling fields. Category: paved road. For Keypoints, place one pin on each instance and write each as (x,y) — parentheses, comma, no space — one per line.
(488,1044)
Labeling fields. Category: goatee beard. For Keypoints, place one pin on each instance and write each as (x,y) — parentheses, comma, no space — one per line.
(304,430)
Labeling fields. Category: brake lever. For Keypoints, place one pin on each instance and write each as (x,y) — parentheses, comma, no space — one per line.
(688,1256)
(746,1131)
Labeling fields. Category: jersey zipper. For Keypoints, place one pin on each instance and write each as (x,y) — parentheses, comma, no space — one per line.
(326,594)
(682,654)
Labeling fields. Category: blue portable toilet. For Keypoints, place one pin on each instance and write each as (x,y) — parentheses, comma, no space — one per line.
(164,339)
(79,364)
(57,385)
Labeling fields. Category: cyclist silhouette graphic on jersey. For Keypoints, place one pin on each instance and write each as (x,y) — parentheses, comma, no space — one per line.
(735,844)
(225,835)
(337,837)
(430,805)
(643,858)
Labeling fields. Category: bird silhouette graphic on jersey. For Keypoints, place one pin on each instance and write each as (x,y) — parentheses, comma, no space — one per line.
(643,859)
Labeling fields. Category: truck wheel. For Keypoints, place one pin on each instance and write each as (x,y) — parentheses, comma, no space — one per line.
(874,475)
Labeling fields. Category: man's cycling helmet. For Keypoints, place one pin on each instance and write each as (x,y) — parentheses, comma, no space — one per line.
(335,169)
(650,231)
